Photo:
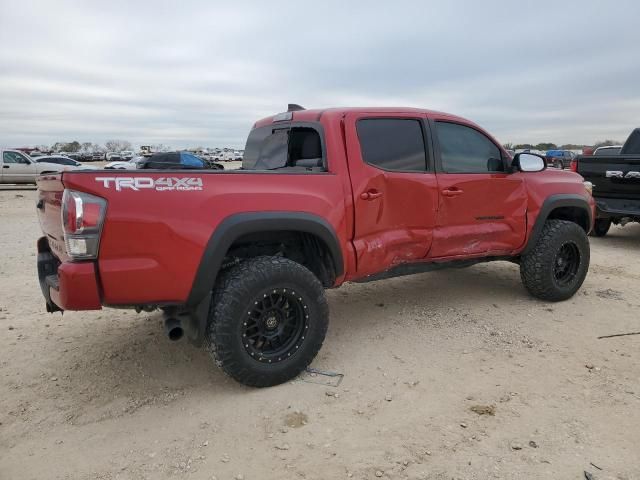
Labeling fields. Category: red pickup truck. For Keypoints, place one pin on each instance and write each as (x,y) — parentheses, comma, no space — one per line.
(238,260)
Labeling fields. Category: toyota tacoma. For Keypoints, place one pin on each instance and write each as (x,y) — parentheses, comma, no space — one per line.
(238,261)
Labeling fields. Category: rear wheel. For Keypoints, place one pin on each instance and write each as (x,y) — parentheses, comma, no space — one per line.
(556,267)
(601,227)
(268,319)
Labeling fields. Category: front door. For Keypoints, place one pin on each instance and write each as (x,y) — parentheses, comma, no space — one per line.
(17,168)
(394,189)
(482,207)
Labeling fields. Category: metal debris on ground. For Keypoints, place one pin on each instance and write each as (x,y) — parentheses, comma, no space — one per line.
(619,335)
(321,377)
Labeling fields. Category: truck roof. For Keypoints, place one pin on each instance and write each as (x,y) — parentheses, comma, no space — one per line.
(314,115)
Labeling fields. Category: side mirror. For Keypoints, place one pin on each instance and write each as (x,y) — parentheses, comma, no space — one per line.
(529,162)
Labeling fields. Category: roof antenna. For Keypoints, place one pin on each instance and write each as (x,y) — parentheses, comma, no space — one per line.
(294,107)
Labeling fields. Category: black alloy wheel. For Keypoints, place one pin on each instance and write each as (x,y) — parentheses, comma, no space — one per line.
(567,264)
(268,319)
(275,326)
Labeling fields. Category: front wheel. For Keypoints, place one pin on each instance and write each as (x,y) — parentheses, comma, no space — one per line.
(267,322)
(556,267)
(600,227)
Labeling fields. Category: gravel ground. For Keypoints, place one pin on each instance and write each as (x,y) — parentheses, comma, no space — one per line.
(454,374)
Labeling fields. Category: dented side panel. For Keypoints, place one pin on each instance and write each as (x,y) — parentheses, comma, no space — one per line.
(397,226)
(489,215)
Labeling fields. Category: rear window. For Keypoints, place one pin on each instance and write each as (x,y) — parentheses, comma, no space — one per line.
(283,146)
(608,151)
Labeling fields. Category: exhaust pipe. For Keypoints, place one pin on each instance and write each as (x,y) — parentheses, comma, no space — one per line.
(173,328)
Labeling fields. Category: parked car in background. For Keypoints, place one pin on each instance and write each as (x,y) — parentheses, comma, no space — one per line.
(127,154)
(608,150)
(587,150)
(559,158)
(64,161)
(17,167)
(112,157)
(225,156)
(616,184)
(128,165)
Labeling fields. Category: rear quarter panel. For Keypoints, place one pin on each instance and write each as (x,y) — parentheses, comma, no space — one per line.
(153,241)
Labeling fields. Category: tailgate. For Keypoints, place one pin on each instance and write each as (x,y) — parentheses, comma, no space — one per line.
(616,176)
(50,189)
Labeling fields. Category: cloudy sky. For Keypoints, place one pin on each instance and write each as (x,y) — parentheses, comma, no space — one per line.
(201,72)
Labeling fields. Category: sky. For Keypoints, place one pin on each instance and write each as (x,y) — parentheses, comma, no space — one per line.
(200,73)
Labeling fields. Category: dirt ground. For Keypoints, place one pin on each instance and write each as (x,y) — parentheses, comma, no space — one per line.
(455,374)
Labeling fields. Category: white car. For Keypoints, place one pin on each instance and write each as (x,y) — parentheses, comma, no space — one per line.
(129,165)
(112,156)
(227,156)
(16,167)
(127,155)
(64,161)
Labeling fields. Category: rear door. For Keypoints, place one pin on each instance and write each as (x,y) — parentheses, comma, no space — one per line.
(482,207)
(394,189)
(17,168)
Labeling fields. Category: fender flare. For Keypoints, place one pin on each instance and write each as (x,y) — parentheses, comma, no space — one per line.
(235,226)
(551,203)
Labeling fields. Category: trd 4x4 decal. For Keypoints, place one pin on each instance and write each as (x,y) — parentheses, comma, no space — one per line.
(159,184)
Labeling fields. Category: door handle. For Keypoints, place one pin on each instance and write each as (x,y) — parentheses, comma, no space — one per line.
(370,195)
(447,192)
(5,166)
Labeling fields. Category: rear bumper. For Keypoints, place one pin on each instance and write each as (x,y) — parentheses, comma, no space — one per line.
(67,285)
(617,207)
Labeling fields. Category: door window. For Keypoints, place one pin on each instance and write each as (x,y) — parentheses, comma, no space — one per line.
(395,144)
(466,150)
(14,157)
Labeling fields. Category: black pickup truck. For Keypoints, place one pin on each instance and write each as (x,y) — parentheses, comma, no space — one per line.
(616,184)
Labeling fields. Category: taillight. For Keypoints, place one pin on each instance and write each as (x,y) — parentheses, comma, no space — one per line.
(82,218)
(573,166)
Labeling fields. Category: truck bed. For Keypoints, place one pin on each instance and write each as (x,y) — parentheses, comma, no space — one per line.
(158,223)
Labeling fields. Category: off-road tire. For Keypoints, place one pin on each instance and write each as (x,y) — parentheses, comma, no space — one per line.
(600,227)
(539,267)
(237,291)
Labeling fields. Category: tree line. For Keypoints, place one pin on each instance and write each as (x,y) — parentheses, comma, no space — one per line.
(552,146)
(87,147)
